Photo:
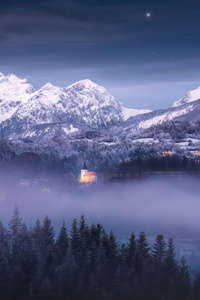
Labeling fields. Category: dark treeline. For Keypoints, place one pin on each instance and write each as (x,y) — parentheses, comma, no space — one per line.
(88,264)
(177,130)
(160,164)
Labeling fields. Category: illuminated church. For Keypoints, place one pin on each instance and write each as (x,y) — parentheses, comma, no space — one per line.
(87,176)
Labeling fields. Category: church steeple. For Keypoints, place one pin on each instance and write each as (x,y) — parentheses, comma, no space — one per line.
(84,166)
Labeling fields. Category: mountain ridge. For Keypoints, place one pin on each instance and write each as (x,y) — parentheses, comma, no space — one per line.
(84,122)
(82,103)
(82,106)
(191,96)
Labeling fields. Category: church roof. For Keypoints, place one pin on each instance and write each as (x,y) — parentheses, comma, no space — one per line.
(92,173)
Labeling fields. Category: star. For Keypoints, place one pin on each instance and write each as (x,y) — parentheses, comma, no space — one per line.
(148,14)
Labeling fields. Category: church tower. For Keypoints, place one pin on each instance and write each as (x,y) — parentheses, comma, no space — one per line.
(83,171)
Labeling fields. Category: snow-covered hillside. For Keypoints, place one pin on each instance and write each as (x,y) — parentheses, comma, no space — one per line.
(186,109)
(166,116)
(189,97)
(13,92)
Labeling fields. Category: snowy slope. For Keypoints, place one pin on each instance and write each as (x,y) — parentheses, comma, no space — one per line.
(189,112)
(131,112)
(186,109)
(13,92)
(166,116)
(189,97)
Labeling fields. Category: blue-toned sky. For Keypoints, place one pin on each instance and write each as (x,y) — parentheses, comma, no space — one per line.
(146,53)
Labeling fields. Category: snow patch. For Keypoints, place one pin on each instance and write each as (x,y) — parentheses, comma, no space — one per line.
(131,112)
(164,118)
(70,130)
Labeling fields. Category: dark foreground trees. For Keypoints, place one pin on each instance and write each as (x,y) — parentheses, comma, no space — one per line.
(88,264)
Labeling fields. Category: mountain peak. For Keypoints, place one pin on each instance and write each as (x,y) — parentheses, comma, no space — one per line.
(191,96)
(16,80)
(48,86)
(12,79)
(3,78)
(82,103)
(85,83)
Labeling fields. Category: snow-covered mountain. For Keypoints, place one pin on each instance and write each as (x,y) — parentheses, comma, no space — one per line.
(13,92)
(83,103)
(83,106)
(84,122)
(187,112)
(186,109)
(189,97)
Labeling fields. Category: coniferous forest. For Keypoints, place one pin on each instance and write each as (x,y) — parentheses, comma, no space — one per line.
(85,262)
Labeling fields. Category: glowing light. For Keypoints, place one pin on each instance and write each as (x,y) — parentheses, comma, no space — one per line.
(148,15)
(88,176)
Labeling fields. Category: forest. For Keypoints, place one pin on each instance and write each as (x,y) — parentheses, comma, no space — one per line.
(166,163)
(88,263)
(108,151)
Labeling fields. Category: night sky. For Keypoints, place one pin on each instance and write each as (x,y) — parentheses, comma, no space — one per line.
(146,53)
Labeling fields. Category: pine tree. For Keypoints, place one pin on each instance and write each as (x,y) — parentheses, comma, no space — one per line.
(47,246)
(142,253)
(170,260)
(84,241)
(82,227)
(15,223)
(131,251)
(75,242)
(3,238)
(159,250)
(158,255)
(96,234)
(62,244)
(170,270)
(184,281)
(48,234)
(37,237)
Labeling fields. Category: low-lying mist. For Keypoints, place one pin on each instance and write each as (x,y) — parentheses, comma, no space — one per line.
(168,205)
(161,204)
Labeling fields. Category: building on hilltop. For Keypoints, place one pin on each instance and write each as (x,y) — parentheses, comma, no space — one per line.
(87,176)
